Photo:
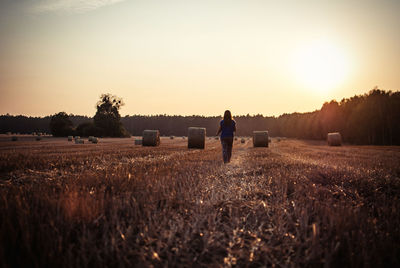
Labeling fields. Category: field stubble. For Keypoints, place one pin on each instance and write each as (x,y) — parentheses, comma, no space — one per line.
(297,203)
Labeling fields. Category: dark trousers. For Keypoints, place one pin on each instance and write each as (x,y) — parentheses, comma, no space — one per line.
(227,148)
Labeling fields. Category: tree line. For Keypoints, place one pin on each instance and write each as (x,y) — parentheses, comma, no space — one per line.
(372,118)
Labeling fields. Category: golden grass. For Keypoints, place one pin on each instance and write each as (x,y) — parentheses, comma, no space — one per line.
(115,204)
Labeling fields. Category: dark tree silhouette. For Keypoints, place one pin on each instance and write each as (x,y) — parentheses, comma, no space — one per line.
(86,129)
(61,125)
(107,118)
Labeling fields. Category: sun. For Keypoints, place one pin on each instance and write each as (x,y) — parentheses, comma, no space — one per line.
(320,66)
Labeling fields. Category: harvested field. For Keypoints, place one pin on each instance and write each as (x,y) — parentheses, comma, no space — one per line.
(296,203)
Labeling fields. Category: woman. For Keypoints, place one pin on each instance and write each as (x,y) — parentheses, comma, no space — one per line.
(227,128)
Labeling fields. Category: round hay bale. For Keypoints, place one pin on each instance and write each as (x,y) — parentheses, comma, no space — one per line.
(196,137)
(242,140)
(260,138)
(138,142)
(14,138)
(70,138)
(171,137)
(151,138)
(334,139)
(94,140)
(79,141)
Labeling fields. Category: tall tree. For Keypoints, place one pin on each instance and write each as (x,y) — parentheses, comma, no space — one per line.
(107,117)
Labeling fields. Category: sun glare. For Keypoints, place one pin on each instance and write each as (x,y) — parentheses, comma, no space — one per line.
(320,66)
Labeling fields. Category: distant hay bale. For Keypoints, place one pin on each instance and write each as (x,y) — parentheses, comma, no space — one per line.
(94,140)
(79,141)
(196,137)
(334,139)
(171,137)
(70,138)
(14,138)
(242,140)
(260,138)
(151,138)
(138,142)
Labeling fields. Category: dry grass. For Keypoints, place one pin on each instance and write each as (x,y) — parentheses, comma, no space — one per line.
(116,204)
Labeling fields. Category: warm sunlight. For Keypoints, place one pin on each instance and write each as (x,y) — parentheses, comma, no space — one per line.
(321,66)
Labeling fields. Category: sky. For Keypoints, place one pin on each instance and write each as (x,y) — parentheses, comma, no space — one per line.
(184,57)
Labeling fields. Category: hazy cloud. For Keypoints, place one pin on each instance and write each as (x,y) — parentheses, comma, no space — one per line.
(74,6)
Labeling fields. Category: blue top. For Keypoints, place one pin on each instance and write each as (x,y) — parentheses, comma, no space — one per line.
(227,131)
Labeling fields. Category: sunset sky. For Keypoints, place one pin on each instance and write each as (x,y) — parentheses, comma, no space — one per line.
(194,57)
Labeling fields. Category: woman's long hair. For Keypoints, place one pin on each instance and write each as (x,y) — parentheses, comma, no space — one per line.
(227,118)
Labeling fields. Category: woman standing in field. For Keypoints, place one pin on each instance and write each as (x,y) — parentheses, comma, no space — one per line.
(227,128)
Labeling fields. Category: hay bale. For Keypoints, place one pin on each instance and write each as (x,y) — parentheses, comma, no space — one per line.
(14,138)
(334,139)
(196,137)
(151,138)
(260,138)
(138,142)
(242,140)
(171,137)
(94,140)
(70,138)
(79,141)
